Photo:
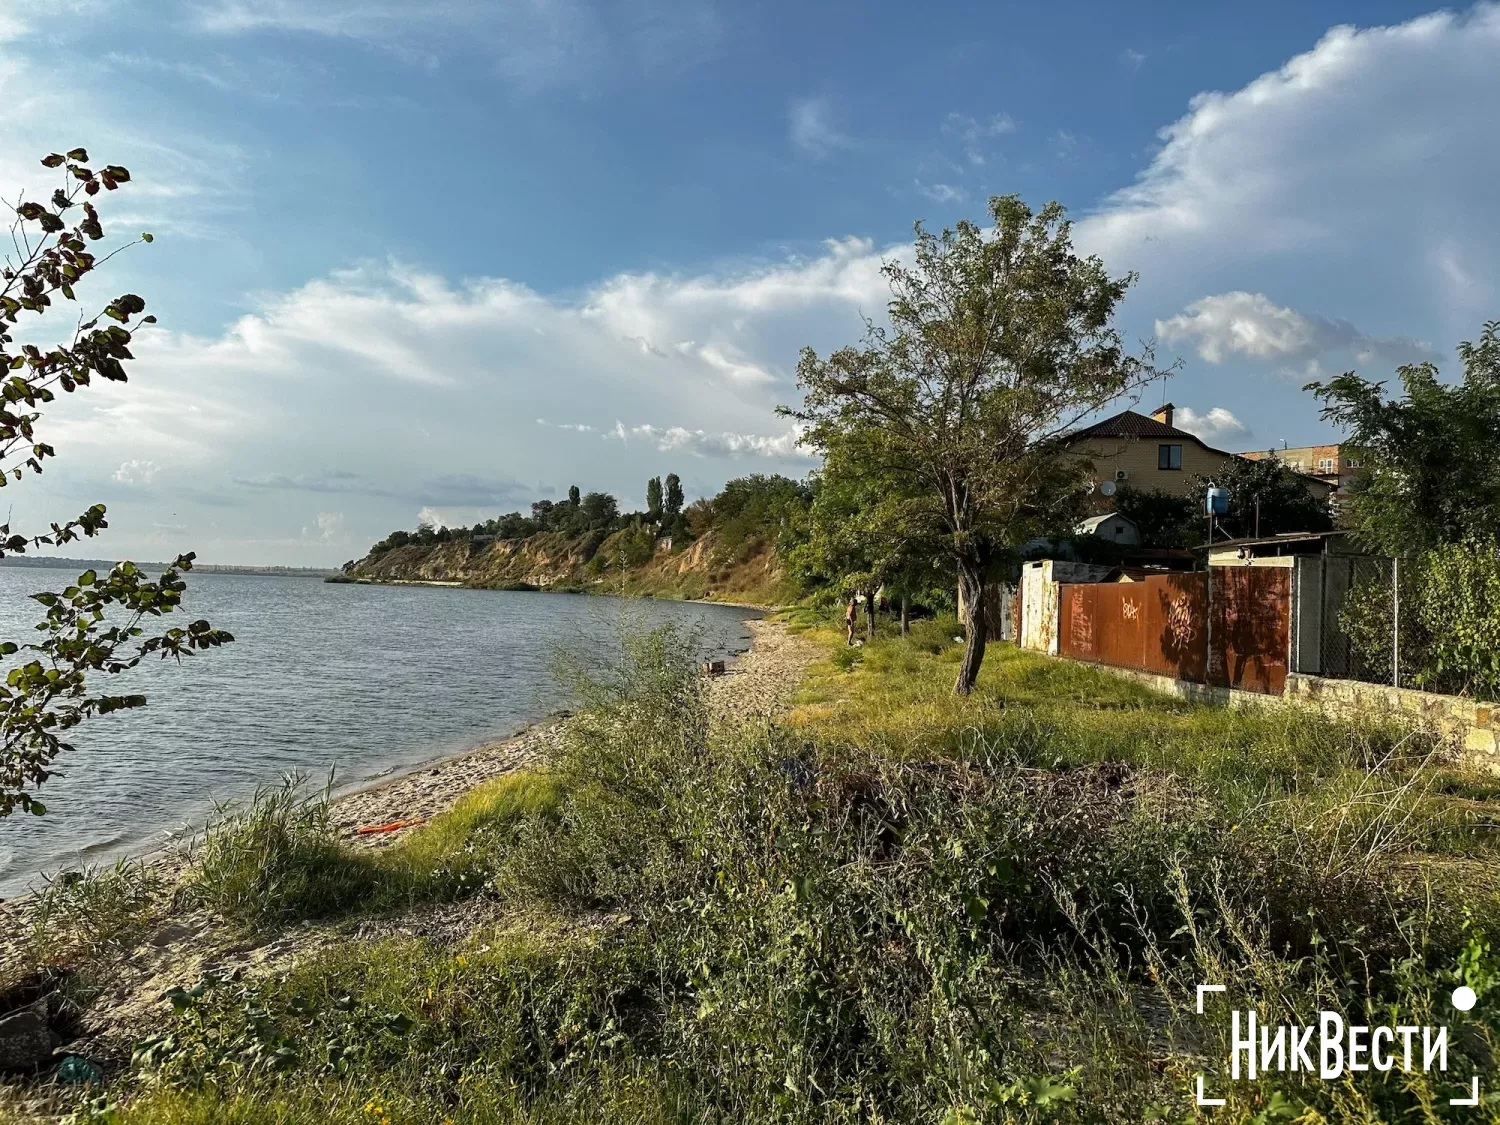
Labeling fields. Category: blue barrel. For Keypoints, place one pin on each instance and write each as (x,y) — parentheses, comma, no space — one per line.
(1216,503)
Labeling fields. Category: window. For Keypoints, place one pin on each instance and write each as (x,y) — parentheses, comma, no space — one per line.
(1169,456)
(1325,464)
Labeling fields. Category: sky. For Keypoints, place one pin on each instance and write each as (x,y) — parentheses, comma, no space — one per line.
(440,260)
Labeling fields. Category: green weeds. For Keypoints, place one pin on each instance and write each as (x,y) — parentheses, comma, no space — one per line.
(901,907)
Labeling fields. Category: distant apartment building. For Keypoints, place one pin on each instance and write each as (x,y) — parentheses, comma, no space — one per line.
(1331,464)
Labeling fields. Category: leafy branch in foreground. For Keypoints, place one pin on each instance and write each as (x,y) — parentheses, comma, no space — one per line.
(47,695)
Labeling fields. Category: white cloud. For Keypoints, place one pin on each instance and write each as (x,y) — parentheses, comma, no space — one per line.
(1250,324)
(330,526)
(942,193)
(425,379)
(136,471)
(1217,427)
(1063,144)
(974,134)
(810,125)
(675,439)
(1133,58)
(1371,156)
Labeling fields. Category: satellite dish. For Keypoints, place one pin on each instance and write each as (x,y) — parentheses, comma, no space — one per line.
(1107,488)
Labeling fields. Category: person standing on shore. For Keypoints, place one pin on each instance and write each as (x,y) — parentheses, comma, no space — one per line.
(851,615)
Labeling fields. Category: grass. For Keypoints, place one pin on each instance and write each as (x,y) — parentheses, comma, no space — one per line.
(95,911)
(898,906)
(279,858)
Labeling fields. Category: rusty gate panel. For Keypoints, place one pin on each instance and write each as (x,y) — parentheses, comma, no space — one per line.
(1177,625)
(1118,625)
(1077,613)
(1251,611)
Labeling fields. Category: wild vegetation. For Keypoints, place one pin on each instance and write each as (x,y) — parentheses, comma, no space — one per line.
(1429,494)
(899,906)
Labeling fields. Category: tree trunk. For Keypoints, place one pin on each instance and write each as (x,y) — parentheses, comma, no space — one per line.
(971,593)
(870,615)
(905,619)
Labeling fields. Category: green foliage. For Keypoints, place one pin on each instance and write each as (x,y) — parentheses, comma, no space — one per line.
(1449,621)
(759,509)
(1459,604)
(279,857)
(95,909)
(634,546)
(864,532)
(653,499)
(1285,502)
(1000,339)
(671,504)
(1429,473)
(1163,519)
(94,626)
(1001,919)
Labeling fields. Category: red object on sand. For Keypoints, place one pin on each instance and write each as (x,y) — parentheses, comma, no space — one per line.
(391,827)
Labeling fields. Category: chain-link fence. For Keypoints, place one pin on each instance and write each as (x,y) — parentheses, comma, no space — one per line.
(1363,632)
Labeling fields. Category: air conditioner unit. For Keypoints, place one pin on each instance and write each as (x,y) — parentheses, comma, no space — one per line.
(1122,474)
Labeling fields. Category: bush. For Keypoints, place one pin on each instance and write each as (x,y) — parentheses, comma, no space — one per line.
(714,921)
(1449,621)
(1460,608)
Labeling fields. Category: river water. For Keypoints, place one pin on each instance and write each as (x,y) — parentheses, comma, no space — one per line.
(363,679)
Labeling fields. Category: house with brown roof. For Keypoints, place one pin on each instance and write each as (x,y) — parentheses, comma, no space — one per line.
(1147,452)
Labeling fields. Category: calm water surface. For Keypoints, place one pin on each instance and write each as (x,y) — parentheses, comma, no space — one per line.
(364,679)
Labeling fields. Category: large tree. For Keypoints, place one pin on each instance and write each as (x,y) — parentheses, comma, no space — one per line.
(653,499)
(95,625)
(999,341)
(1265,498)
(672,498)
(1430,467)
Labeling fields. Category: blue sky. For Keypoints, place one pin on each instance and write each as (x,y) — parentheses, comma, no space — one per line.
(443,258)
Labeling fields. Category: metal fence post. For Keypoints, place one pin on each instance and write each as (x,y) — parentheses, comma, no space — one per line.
(1396,623)
(1208,632)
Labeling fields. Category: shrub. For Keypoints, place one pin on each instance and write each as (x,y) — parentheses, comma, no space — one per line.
(1449,621)
(1460,609)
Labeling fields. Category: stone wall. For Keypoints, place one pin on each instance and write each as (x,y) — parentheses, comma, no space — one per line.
(1475,725)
